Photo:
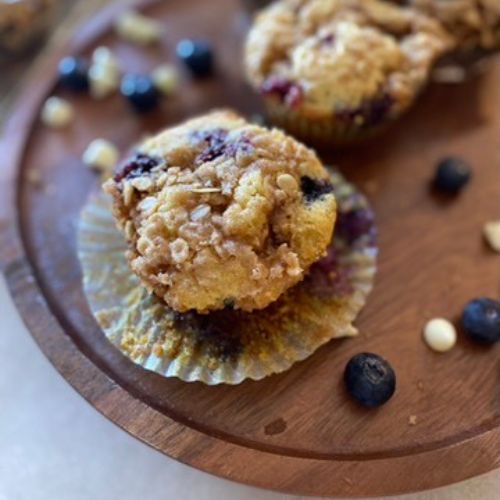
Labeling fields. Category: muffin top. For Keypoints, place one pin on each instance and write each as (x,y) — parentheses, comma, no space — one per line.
(222,213)
(472,22)
(335,56)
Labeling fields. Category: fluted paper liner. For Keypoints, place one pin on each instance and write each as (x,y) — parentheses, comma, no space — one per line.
(229,346)
(322,131)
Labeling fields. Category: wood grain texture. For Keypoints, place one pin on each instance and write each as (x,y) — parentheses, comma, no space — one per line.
(298,431)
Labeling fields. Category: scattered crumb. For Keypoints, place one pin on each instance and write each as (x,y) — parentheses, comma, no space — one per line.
(420,385)
(412,420)
(347,481)
(34,177)
(103,56)
(491,232)
(440,335)
(103,81)
(426,314)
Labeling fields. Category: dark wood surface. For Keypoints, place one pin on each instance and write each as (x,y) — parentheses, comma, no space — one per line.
(298,431)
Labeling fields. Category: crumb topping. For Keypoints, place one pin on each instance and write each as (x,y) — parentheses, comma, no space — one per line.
(343,56)
(218,211)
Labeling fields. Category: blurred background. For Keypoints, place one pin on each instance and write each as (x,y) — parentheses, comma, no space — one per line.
(53,445)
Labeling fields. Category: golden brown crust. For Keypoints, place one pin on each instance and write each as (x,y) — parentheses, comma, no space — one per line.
(336,58)
(219,218)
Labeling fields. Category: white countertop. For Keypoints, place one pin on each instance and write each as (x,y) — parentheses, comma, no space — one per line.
(55,446)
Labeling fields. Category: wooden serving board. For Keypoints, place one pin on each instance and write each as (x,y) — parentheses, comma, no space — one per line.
(299,431)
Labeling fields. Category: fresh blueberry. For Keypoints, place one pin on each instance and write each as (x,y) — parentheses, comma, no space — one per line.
(73,73)
(481,320)
(452,175)
(140,92)
(197,56)
(313,189)
(370,379)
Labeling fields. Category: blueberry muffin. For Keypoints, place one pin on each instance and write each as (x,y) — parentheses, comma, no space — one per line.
(219,213)
(22,21)
(473,23)
(332,71)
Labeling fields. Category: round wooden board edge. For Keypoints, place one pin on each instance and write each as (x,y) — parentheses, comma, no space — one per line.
(288,474)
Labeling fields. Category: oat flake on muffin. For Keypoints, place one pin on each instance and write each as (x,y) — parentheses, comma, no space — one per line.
(335,70)
(222,213)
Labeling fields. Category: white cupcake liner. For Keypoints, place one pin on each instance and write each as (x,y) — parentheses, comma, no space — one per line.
(228,346)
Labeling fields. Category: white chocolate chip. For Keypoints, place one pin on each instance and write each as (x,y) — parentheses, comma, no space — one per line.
(165,78)
(440,335)
(57,112)
(101,155)
(137,28)
(491,231)
(102,56)
(103,81)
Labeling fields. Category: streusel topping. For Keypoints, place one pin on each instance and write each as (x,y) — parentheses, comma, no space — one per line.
(472,22)
(221,213)
(337,55)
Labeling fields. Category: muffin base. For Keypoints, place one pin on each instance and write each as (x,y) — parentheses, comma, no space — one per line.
(229,346)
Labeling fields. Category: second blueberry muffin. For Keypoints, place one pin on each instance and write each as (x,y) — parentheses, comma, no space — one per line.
(220,213)
(333,71)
